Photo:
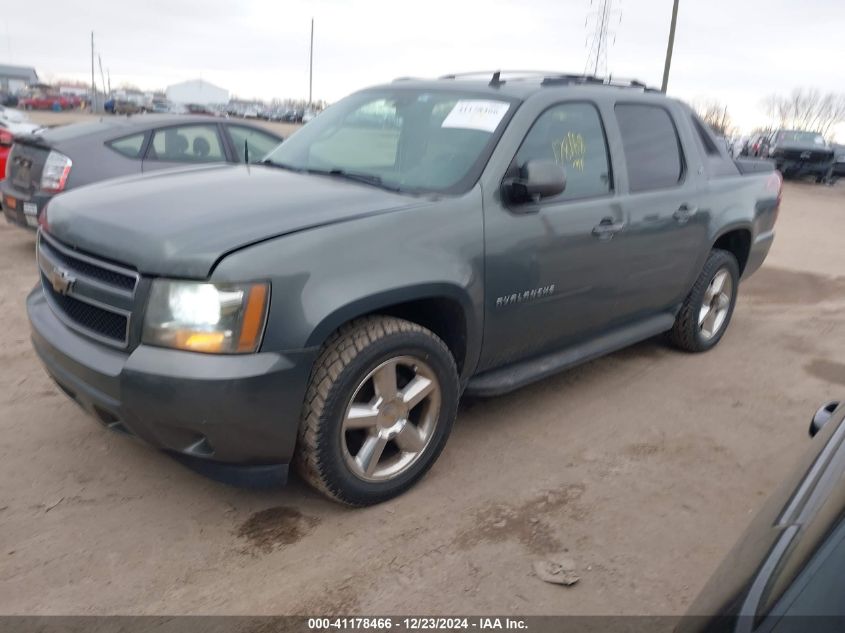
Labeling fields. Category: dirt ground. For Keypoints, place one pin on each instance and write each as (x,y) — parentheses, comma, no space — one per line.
(643,467)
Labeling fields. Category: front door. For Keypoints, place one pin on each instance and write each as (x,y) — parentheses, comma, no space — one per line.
(551,266)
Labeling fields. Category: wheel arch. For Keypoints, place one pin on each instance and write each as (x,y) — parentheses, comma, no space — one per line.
(735,239)
(443,308)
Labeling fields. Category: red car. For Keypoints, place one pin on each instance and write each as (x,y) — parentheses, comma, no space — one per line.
(6,140)
(50,102)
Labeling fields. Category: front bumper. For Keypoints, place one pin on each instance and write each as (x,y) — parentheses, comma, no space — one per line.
(212,411)
(796,168)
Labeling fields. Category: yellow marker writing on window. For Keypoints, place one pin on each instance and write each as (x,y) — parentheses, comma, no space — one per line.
(571,151)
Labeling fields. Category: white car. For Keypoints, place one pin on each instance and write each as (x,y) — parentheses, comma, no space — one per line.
(17,122)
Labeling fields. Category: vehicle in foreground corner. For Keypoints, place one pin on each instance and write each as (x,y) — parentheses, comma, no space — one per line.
(416,241)
(63,158)
(785,573)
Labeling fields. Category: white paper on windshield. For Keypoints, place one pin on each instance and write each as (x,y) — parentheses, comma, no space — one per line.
(476,114)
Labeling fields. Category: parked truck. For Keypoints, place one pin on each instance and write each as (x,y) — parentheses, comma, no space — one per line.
(329,307)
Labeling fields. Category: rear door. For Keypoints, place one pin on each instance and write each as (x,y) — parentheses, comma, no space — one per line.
(665,229)
(190,144)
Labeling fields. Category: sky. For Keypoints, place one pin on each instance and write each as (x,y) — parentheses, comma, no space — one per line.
(732,51)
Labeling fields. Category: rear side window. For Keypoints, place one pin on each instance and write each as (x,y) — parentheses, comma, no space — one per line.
(259,143)
(709,146)
(571,134)
(652,148)
(187,144)
(129,146)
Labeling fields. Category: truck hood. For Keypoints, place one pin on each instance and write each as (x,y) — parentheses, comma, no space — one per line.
(180,222)
(793,146)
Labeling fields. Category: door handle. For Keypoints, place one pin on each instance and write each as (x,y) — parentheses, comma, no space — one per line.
(607,228)
(684,213)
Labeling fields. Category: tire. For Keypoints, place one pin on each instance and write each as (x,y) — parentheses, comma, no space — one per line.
(346,418)
(689,332)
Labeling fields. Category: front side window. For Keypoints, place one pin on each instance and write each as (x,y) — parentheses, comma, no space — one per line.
(652,149)
(259,143)
(407,139)
(129,146)
(187,144)
(571,134)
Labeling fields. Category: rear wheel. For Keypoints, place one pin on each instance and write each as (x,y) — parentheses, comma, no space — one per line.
(707,309)
(380,405)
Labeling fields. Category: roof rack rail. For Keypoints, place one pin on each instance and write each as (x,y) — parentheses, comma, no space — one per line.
(550,78)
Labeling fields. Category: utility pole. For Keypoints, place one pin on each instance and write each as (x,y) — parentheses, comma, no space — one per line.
(93,82)
(311,64)
(670,47)
(102,76)
(108,76)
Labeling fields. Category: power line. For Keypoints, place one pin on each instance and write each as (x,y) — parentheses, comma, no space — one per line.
(602,36)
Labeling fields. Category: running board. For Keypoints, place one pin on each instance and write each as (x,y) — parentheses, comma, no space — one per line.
(504,379)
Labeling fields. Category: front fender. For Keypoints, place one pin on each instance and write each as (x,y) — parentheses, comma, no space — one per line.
(324,277)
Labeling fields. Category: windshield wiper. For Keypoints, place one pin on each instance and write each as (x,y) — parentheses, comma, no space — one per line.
(367,179)
(270,163)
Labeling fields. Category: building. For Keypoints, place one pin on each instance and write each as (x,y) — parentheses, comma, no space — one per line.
(13,79)
(197,91)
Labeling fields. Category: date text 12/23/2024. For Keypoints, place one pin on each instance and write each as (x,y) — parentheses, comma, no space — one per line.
(415,624)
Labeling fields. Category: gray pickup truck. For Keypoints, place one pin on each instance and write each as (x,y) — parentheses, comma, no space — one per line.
(415,242)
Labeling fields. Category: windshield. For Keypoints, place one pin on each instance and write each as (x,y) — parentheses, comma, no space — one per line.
(804,138)
(406,139)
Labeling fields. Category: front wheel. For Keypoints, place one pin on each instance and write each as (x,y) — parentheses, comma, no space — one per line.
(706,312)
(379,408)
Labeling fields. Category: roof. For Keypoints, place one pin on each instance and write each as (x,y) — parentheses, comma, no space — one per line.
(520,84)
(109,124)
(26,73)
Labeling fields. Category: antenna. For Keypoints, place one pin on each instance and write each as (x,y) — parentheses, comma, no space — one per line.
(600,20)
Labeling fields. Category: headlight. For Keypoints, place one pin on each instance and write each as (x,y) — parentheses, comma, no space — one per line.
(55,173)
(206,317)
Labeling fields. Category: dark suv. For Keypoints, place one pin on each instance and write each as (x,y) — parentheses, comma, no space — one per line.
(416,241)
(798,153)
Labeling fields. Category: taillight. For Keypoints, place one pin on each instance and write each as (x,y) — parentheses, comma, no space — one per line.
(55,173)
(774,185)
(6,138)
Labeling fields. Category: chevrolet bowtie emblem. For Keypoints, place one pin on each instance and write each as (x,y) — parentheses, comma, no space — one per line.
(61,280)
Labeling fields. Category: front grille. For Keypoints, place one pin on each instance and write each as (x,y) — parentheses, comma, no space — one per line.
(99,320)
(90,295)
(807,156)
(85,267)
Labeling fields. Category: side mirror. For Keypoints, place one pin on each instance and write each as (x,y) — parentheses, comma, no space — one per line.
(821,417)
(537,179)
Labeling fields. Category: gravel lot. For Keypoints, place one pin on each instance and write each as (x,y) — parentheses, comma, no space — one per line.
(643,467)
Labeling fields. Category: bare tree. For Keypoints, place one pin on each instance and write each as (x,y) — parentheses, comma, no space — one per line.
(807,109)
(715,115)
